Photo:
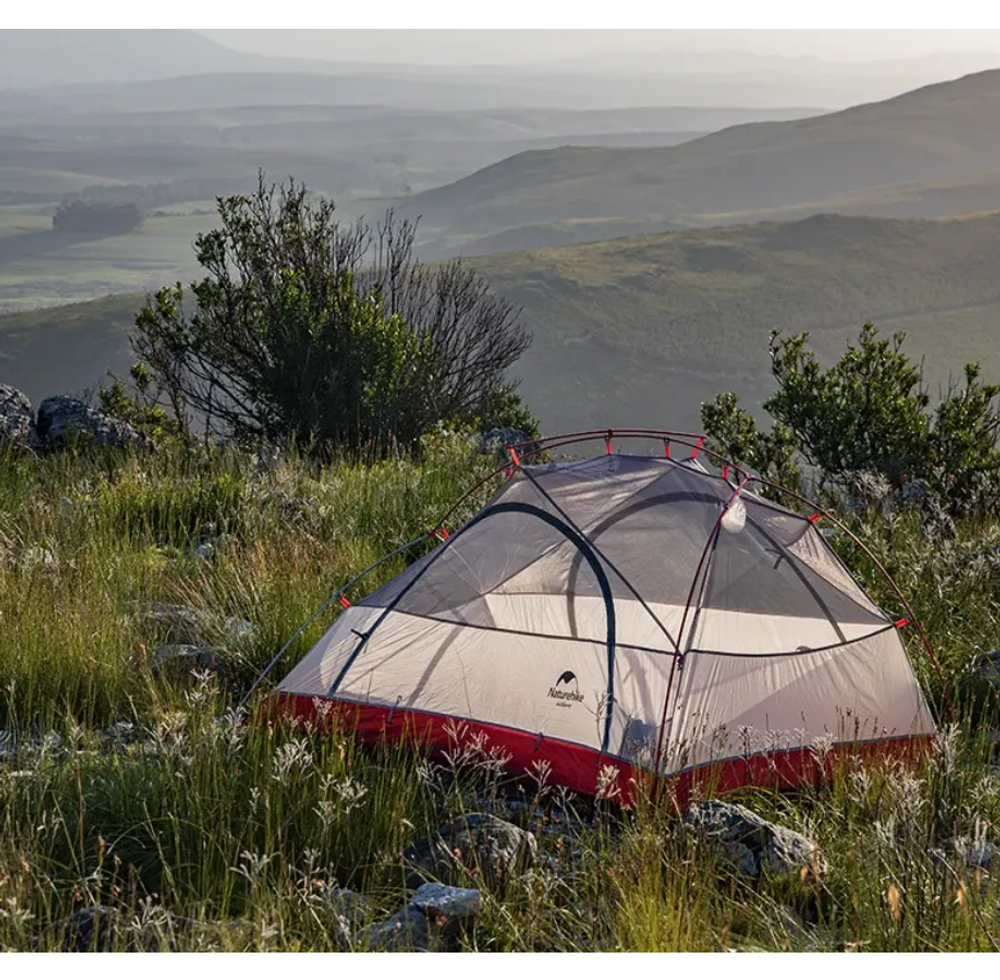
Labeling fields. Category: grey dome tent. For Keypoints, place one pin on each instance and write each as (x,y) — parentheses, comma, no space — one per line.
(623,615)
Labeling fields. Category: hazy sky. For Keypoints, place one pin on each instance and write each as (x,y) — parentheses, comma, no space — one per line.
(506,46)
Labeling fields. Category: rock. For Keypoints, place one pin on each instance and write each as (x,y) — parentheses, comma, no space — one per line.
(172,624)
(750,842)
(63,420)
(238,628)
(17,420)
(343,899)
(441,902)
(346,907)
(988,668)
(101,929)
(496,441)
(89,930)
(475,844)
(178,662)
(121,733)
(37,557)
(289,507)
(407,930)
(205,551)
(976,855)
(915,493)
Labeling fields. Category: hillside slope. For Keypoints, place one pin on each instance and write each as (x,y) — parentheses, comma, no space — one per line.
(947,131)
(641,330)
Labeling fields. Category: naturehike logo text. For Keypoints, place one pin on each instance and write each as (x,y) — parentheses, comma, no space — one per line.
(567,690)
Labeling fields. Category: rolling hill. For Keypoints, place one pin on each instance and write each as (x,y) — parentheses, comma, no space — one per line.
(349,150)
(947,133)
(641,330)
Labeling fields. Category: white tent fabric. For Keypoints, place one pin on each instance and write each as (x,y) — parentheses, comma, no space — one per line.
(604,607)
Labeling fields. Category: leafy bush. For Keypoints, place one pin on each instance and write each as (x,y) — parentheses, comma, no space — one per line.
(868,413)
(327,336)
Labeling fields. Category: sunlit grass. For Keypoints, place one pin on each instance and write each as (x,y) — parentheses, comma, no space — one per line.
(201,827)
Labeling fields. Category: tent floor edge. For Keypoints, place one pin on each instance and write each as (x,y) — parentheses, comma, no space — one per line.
(582,769)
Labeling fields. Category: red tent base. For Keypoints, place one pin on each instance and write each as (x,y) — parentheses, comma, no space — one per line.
(583,770)
(586,771)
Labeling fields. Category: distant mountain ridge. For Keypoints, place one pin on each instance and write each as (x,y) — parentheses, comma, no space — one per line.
(46,58)
(945,131)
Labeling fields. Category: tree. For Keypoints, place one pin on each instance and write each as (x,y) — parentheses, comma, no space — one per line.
(735,436)
(330,335)
(868,413)
(81,217)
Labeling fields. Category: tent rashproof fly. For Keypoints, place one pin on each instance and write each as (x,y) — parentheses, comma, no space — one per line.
(625,612)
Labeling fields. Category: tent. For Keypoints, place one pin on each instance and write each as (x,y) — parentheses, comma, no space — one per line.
(625,613)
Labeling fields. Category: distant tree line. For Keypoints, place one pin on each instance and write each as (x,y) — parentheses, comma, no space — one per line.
(80,217)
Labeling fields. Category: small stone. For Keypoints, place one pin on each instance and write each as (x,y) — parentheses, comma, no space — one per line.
(173,624)
(179,662)
(438,901)
(752,844)
(181,625)
(977,855)
(238,628)
(477,843)
(407,930)
(37,557)
(121,733)
(343,899)
(89,930)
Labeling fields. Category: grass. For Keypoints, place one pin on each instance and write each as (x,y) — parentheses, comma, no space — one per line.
(202,828)
(39,268)
(647,328)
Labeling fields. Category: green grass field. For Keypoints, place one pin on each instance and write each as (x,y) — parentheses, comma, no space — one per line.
(40,268)
(642,330)
(200,827)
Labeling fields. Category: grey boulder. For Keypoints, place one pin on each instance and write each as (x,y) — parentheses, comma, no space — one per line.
(17,420)
(751,843)
(407,930)
(475,845)
(442,902)
(63,421)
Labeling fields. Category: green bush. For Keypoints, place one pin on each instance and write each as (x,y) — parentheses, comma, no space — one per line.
(868,413)
(329,337)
